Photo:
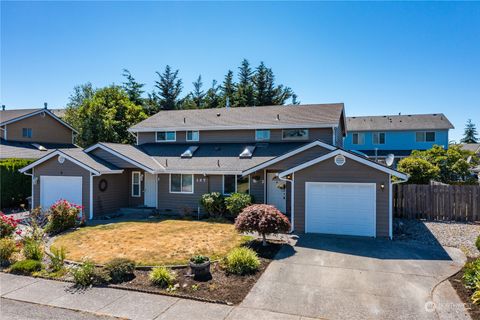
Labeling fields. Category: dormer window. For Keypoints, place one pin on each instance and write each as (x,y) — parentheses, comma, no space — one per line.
(165,136)
(193,136)
(262,135)
(26,132)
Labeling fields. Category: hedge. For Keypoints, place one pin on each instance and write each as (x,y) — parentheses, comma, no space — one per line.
(15,187)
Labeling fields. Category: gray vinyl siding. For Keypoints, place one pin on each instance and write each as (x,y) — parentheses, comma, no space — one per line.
(239,136)
(52,167)
(351,171)
(177,202)
(257,186)
(215,183)
(107,156)
(116,195)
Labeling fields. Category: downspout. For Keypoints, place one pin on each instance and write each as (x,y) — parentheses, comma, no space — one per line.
(33,177)
(90,201)
(292,199)
(4,128)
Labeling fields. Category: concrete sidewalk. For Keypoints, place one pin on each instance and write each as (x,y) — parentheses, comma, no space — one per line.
(122,303)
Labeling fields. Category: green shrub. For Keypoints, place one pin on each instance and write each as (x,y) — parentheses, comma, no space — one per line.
(241,261)
(15,186)
(7,248)
(120,269)
(236,202)
(162,276)
(213,203)
(26,266)
(198,259)
(57,258)
(477,243)
(62,215)
(32,250)
(471,273)
(87,274)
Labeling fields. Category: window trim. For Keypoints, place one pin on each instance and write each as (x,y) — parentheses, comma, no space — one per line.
(139,184)
(359,134)
(424,134)
(236,184)
(384,138)
(181,183)
(29,133)
(266,139)
(295,139)
(191,140)
(174,133)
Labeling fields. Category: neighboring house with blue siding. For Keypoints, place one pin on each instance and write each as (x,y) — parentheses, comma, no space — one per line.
(378,136)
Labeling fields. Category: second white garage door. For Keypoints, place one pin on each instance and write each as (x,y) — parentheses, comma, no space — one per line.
(54,188)
(340,208)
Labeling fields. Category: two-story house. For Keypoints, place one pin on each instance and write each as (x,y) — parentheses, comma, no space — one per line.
(287,156)
(32,133)
(378,136)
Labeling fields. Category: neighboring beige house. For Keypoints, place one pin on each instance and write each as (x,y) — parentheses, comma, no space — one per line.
(287,156)
(32,133)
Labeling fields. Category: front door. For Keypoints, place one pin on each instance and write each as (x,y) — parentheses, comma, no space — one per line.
(276,192)
(150,194)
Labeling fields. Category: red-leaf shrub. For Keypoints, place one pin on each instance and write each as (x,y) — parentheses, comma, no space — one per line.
(262,218)
(7,225)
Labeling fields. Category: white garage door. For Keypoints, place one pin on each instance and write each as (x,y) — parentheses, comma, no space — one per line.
(340,208)
(54,188)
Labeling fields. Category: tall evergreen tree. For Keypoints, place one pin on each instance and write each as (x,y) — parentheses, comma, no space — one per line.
(212,98)
(197,94)
(228,90)
(133,88)
(169,87)
(245,96)
(470,134)
(295,99)
(261,86)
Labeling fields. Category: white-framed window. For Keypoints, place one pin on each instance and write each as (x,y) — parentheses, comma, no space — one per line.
(163,136)
(262,134)
(358,138)
(235,183)
(378,138)
(136,189)
(294,134)
(27,132)
(181,183)
(193,136)
(425,136)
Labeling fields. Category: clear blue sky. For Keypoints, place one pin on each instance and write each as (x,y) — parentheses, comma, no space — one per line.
(377,58)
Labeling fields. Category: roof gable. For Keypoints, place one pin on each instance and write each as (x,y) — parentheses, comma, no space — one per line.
(11,116)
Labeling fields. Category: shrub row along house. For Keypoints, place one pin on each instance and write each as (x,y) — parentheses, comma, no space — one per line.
(289,156)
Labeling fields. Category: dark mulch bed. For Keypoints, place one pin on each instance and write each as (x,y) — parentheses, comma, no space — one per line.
(465,294)
(222,287)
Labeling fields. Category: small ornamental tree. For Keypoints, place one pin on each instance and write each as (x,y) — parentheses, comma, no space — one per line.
(262,218)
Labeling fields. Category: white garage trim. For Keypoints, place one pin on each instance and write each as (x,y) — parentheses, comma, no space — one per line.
(350,156)
(374,185)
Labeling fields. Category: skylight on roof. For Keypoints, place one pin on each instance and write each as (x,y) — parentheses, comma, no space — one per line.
(189,152)
(39,147)
(247,152)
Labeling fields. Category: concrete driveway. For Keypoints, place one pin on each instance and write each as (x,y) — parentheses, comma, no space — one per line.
(353,278)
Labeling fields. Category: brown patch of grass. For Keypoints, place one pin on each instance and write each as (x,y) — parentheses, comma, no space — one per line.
(165,242)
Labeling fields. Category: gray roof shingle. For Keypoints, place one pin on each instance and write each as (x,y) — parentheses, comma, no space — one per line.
(473,147)
(89,160)
(215,157)
(26,150)
(134,153)
(435,121)
(268,117)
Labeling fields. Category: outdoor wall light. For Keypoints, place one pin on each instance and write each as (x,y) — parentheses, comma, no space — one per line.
(382,186)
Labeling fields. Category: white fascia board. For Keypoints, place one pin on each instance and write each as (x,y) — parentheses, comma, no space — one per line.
(347,155)
(121,156)
(58,153)
(288,155)
(246,127)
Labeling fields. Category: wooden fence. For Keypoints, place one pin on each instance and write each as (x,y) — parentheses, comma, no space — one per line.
(437,202)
